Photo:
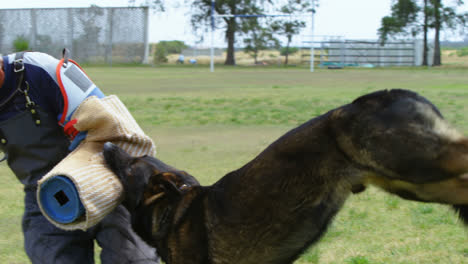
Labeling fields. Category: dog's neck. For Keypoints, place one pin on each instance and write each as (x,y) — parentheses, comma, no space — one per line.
(164,224)
(171,219)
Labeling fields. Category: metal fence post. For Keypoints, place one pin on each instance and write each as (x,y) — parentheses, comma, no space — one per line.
(70,32)
(146,33)
(108,50)
(342,52)
(321,54)
(381,57)
(416,53)
(33,29)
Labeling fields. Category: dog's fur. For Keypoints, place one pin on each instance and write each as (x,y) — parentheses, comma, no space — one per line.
(281,202)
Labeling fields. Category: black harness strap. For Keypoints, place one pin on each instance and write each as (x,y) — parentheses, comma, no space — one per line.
(18,68)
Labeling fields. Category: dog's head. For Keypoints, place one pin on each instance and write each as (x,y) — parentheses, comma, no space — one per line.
(406,145)
(150,188)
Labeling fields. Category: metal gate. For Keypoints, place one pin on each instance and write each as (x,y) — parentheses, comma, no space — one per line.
(339,52)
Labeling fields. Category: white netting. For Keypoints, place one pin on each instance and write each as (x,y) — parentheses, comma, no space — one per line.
(94,35)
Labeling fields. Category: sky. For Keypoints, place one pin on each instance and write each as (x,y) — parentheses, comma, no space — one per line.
(357,19)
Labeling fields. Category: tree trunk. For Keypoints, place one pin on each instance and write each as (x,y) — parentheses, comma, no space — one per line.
(437,60)
(230,36)
(255,57)
(425,27)
(287,50)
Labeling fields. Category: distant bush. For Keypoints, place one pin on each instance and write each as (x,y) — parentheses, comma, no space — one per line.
(462,52)
(21,43)
(164,48)
(172,47)
(160,54)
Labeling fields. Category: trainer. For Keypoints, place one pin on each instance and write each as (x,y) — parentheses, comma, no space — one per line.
(33,142)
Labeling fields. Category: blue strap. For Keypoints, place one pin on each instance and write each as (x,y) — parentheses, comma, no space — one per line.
(77,140)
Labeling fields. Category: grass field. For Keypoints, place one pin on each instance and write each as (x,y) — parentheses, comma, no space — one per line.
(210,124)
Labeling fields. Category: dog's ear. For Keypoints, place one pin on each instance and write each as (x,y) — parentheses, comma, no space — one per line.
(162,185)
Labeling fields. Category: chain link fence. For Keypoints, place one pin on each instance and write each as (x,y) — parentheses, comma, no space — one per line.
(93,35)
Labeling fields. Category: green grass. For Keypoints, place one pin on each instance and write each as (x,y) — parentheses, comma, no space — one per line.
(210,124)
(462,52)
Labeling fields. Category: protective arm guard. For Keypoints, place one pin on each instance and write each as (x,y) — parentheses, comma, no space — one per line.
(75,86)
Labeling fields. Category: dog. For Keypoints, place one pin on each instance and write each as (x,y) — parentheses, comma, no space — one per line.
(277,205)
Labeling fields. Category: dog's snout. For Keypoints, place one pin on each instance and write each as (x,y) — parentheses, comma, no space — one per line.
(112,156)
(108,146)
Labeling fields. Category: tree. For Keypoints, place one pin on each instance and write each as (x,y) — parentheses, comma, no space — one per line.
(437,25)
(406,14)
(445,17)
(201,17)
(160,54)
(427,11)
(290,27)
(260,37)
(404,20)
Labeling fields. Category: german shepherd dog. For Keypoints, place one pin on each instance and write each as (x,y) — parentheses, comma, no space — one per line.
(280,203)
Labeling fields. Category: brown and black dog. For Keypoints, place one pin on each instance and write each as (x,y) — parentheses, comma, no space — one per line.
(277,205)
